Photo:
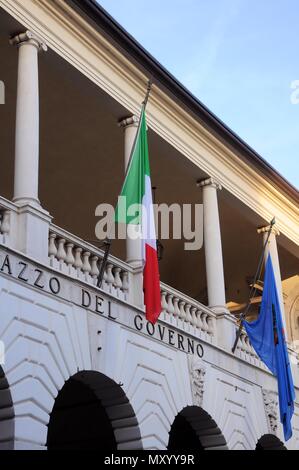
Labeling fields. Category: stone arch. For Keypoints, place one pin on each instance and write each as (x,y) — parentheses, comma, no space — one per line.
(194,429)
(91,411)
(7,421)
(270,442)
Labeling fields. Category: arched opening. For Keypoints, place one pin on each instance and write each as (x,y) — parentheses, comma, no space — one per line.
(7,424)
(92,412)
(270,442)
(193,430)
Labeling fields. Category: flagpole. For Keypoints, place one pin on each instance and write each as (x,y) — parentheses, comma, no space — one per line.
(108,241)
(143,106)
(253,288)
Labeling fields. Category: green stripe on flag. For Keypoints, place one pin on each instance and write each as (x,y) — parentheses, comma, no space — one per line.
(134,186)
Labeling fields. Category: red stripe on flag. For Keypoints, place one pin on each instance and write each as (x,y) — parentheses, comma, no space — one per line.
(151,285)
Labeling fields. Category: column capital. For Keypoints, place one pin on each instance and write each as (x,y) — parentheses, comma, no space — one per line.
(209,182)
(267,229)
(28,37)
(129,121)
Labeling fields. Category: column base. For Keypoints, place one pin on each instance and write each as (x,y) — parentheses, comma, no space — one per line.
(136,289)
(135,264)
(220,309)
(28,201)
(31,231)
(226,331)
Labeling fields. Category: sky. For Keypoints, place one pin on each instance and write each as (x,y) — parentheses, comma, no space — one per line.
(238,57)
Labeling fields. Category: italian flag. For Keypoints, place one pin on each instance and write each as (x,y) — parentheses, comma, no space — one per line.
(137,193)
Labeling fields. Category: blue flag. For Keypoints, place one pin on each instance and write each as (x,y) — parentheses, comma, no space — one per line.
(267,337)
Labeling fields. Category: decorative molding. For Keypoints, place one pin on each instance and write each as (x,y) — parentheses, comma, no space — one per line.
(129,121)
(209,182)
(271,403)
(28,38)
(197,370)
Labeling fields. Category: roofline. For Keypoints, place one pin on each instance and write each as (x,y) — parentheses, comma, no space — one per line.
(160,74)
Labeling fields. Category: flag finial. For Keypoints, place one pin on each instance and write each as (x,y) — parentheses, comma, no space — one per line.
(273,221)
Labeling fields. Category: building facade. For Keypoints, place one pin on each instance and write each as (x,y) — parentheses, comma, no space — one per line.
(81,367)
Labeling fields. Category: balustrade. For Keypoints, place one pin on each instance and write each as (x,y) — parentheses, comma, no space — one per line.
(81,260)
(187,314)
(245,350)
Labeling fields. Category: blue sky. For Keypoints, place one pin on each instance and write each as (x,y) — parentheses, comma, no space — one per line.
(239,57)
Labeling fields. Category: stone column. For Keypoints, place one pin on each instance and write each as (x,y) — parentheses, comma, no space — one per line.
(31,221)
(27,119)
(133,246)
(213,246)
(271,249)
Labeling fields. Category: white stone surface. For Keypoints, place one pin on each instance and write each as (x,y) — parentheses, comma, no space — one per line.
(48,340)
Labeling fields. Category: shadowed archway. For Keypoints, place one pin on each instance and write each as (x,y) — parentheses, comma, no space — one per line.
(194,430)
(270,442)
(7,424)
(92,412)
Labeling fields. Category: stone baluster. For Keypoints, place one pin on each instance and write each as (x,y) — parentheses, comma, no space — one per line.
(164,305)
(205,326)
(86,268)
(182,315)
(78,260)
(117,280)
(69,257)
(170,308)
(110,277)
(199,324)
(193,316)
(105,285)
(188,314)
(94,269)
(176,310)
(52,248)
(61,253)
(125,282)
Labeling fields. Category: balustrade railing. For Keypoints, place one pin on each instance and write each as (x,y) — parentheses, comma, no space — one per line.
(187,314)
(245,350)
(79,259)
